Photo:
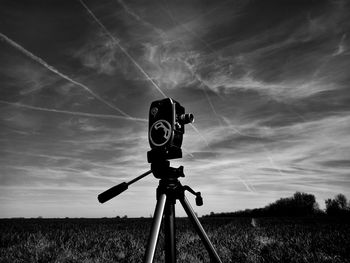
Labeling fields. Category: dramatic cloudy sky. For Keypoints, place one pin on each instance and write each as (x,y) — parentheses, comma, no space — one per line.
(267,80)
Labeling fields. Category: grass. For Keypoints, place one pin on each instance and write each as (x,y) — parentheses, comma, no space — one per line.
(123,240)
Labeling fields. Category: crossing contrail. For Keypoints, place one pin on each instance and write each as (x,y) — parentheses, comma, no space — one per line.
(116,42)
(273,163)
(250,188)
(197,131)
(56,71)
(77,113)
(140,19)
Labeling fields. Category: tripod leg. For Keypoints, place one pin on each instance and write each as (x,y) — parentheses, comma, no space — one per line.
(153,237)
(197,225)
(169,223)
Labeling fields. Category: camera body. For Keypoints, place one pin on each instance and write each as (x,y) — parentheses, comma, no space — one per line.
(167,119)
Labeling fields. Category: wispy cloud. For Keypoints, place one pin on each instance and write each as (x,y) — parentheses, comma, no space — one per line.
(75,113)
(342,47)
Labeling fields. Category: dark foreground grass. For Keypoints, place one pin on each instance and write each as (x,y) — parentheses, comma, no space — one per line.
(123,240)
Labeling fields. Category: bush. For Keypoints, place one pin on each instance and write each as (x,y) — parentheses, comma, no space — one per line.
(338,206)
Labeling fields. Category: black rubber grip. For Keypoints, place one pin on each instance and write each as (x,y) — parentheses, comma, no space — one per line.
(112,192)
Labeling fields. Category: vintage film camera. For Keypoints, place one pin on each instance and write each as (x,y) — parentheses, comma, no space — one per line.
(167,119)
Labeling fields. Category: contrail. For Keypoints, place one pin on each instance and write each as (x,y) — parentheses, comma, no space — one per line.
(250,189)
(140,19)
(77,113)
(203,85)
(268,153)
(273,164)
(116,42)
(211,104)
(229,125)
(196,36)
(197,131)
(188,30)
(59,157)
(54,70)
(187,153)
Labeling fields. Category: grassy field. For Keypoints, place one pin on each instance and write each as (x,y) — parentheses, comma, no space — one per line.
(123,240)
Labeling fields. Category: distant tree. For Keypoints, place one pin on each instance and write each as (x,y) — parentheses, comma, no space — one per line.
(342,201)
(300,204)
(305,204)
(337,206)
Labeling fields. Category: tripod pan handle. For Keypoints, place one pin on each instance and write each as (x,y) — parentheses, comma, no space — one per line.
(112,192)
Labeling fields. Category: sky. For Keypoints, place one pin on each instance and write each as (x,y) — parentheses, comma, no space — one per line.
(267,81)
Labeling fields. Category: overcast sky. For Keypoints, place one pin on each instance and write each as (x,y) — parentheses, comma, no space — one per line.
(267,82)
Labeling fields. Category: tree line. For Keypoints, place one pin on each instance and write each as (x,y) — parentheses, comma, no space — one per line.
(300,204)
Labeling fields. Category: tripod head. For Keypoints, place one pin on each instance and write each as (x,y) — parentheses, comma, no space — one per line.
(161,170)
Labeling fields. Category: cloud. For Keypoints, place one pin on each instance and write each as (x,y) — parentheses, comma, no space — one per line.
(102,55)
(167,64)
(342,47)
(25,79)
(337,163)
(23,121)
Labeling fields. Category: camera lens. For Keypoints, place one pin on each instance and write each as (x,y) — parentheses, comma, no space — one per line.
(186,118)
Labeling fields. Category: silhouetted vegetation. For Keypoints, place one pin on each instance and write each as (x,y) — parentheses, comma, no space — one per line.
(300,204)
(338,206)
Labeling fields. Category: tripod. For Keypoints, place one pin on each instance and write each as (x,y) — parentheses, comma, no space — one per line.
(169,190)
